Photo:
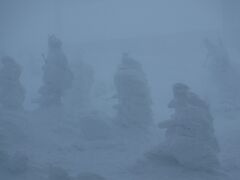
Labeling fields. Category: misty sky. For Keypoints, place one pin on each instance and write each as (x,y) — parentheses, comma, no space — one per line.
(84,20)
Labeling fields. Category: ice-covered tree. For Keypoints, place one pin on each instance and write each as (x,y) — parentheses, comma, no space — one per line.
(134,100)
(57,173)
(224,73)
(57,75)
(89,176)
(18,164)
(12,93)
(190,135)
(79,97)
(230,22)
(4,157)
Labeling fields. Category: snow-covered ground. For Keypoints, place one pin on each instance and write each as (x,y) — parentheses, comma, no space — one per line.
(55,140)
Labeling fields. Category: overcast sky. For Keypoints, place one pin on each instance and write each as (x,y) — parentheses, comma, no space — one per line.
(106,19)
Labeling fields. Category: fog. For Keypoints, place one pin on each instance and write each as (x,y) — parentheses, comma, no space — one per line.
(109,89)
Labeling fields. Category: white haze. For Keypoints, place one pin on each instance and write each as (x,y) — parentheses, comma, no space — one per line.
(165,36)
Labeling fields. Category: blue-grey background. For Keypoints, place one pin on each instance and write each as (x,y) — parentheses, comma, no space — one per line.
(165,36)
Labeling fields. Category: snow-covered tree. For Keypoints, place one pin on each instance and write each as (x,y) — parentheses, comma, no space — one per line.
(57,76)
(134,100)
(89,176)
(79,97)
(4,157)
(18,164)
(190,135)
(57,173)
(94,126)
(12,93)
(230,22)
(224,73)
(217,55)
